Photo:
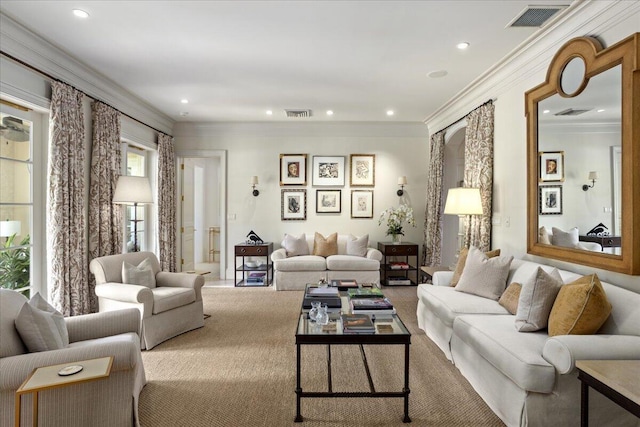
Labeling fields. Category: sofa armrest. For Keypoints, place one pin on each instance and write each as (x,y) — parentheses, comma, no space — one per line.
(278,254)
(374,254)
(15,369)
(442,278)
(124,292)
(181,280)
(105,324)
(562,351)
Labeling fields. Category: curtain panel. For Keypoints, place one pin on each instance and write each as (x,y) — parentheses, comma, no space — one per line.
(66,219)
(478,173)
(167,203)
(432,245)
(105,218)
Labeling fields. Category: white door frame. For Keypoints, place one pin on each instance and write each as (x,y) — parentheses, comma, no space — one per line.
(222,156)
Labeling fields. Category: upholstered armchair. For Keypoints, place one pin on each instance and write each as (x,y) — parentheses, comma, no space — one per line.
(169,303)
(108,402)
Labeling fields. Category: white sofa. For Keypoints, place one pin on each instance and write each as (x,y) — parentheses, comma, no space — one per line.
(528,378)
(293,273)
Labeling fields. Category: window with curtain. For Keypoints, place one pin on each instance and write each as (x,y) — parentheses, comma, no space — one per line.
(137,162)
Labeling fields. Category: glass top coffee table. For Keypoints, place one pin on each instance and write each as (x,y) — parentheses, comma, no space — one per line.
(309,333)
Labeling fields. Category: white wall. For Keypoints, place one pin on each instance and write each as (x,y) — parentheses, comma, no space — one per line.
(255,148)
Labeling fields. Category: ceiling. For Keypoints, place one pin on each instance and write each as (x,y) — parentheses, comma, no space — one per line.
(234,60)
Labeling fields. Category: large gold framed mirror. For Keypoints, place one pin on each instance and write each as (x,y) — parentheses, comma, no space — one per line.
(583,156)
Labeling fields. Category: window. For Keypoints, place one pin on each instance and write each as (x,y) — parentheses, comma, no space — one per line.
(137,220)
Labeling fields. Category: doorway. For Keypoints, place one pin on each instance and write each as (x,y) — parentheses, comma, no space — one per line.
(453,177)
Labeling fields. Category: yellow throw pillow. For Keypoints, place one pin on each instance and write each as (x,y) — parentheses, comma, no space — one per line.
(510,297)
(462,259)
(581,308)
(543,236)
(325,247)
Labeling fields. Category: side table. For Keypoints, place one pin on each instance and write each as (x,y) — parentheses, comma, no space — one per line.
(262,250)
(408,252)
(47,377)
(427,272)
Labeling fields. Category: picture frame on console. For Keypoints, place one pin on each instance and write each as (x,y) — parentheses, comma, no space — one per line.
(328,201)
(362,170)
(293,169)
(550,200)
(293,205)
(361,203)
(328,171)
(551,166)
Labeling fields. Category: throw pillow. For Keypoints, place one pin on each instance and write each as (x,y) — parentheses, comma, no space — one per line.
(141,274)
(567,239)
(357,245)
(325,246)
(510,297)
(483,276)
(41,329)
(543,236)
(462,259)
(295,246)
(536,300)
(581,308)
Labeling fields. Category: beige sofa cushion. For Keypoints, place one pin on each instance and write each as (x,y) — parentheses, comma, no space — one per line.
(462,260)
(301,263)
(484,276)
(536,300)
(325,246)
(295,246)
(141,274)
(357,246)
(41,326)
(166,298)
(510,297)
(351,263)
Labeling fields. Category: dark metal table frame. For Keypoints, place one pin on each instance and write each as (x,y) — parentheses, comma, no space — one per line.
(360,340)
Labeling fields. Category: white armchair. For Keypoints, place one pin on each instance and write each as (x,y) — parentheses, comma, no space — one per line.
(169,308)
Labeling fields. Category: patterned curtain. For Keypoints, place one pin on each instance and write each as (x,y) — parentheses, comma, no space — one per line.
(167,202)
(105,218)
(478,173)
(69,291)
(432,245)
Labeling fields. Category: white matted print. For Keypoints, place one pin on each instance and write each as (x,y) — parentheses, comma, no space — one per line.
(363,170)
(293,169)
(293,205)
(361,203)
(550,200)
(328,201)
(328,171)
(551,164)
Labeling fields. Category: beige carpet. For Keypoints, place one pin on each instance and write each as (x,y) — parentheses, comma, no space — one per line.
(239,370)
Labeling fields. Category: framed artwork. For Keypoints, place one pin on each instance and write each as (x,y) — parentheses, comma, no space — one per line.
(328,201)
(550,200)
(328,171)
(361,203)
(293,205)
(551,164)
(363,170)
(293,169)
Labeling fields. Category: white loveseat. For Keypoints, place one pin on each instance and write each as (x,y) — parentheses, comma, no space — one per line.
(294,272)
(528,378)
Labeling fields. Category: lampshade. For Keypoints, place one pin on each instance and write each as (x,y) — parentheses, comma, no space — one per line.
(132,189)
(593,176)
(463,201)
(9,228)
(402,180)
(254,180)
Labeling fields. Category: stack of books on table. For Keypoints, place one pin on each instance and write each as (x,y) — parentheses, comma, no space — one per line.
(344,284)
(326,295)
(365,293)
(399,265)
(398,280)
(357,324)
(256,278)
(377,306)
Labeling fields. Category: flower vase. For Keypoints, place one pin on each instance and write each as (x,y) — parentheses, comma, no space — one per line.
(396,239)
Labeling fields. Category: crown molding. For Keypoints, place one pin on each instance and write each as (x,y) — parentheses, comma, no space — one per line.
(26,46)
(533,56)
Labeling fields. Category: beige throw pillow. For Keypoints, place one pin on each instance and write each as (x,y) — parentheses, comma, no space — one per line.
(510,297)
(543,236)
(580,308)
(536,300)
(462,259)
(325,247)
(357,245)
(484,276)
(141,274)
(567,239)
(41,327)
(295,246)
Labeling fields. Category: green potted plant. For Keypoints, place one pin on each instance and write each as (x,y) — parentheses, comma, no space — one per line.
(14,265)
(395,218)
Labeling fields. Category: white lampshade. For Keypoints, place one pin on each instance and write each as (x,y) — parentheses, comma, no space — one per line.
(593,176)
(402,180)
(9,228)
(254,180)
(463,201)
(132,189)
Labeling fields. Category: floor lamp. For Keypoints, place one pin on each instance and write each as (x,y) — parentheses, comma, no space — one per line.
(9,228)
(133,190)
(462,201)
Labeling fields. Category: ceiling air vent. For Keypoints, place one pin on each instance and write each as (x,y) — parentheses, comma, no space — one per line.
(298,114)
(534,16)
(570,112)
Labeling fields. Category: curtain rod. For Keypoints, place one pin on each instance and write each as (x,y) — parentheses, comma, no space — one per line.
(492,100)
(49,76)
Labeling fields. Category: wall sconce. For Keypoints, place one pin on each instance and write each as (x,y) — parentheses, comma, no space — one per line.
(402,181)
(593,176)
(254,182)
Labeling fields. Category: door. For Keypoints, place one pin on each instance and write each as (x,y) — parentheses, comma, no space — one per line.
(187,227)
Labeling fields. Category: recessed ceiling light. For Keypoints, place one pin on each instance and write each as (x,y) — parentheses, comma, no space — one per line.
(329,113)
(184,101)
(269,112)
(462,45)
(390,113)
(80,13)
(437,74)
(546,112)
(601,110)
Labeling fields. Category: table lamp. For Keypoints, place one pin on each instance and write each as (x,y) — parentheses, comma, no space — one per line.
(133,190)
